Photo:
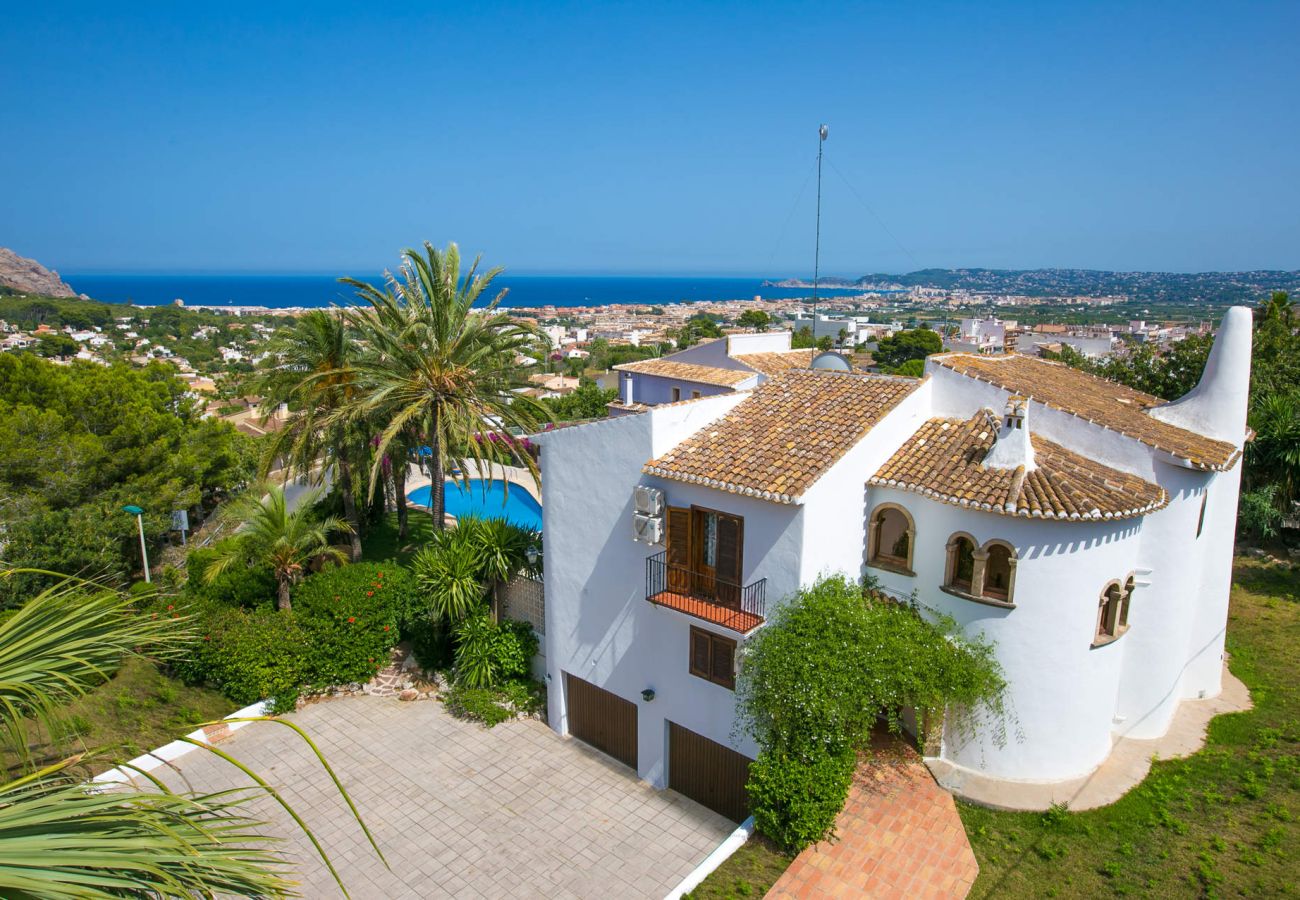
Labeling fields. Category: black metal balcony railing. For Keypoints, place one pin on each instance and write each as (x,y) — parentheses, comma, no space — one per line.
(726,602)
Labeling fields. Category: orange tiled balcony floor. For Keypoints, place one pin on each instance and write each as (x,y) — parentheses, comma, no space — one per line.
(708,610)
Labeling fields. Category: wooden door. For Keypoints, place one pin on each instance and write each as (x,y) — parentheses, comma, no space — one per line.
(704,543)
(679,550)
(604,720)
(709,773)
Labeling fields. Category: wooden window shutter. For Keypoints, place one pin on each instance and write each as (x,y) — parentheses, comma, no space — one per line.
(731,536)
(679,549)
(700,649)
(724,661)
(679,536)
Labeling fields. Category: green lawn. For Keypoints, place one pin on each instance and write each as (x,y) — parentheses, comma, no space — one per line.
(381,543)
(1224,822)
(748,872)
(138,710)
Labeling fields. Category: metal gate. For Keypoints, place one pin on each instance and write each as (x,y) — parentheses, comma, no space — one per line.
(604,720)
(707,772)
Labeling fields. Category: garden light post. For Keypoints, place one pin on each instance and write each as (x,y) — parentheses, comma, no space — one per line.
(144,554)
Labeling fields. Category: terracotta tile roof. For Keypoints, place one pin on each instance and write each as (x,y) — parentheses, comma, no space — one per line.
(1097,400)
(778,442)
(942,460)
(774,363)
(666,368)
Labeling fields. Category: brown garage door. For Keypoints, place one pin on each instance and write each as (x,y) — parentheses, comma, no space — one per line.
(604,720)
(707,772)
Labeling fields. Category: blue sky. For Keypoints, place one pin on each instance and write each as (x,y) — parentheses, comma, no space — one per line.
(649,138)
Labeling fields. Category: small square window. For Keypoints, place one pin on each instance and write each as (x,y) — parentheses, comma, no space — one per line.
(677,394)
(713,658)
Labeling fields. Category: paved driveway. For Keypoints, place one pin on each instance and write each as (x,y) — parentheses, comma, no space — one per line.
(462,811)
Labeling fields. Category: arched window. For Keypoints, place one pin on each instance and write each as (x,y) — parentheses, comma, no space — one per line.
(980,573)
(961,563)
(1109,610)
(1129,584)
(999,570)
(891,538)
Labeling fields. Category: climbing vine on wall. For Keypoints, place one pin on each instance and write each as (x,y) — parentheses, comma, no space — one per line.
(814,683)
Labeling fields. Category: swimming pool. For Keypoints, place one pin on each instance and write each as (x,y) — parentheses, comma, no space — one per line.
(487,499)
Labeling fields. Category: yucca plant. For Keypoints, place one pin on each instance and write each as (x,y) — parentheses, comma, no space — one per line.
(502,550)
(271,534)
(449,573)
(63,838)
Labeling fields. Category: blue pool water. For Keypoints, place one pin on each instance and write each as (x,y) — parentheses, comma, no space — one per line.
(487,499)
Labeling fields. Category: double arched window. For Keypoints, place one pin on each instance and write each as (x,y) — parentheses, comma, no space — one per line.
(891,538)
(985,573)
(1112,610)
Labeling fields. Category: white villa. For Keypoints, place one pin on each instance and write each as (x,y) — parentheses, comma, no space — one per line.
(1085,527)
(738,362)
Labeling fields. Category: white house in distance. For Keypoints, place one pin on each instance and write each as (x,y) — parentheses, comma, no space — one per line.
(737,362)
(1085,527)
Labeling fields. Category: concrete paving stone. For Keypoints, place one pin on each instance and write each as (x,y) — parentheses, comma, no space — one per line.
(461,811)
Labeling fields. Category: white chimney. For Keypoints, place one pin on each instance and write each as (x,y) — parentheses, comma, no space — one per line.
(1217,406)
(627,389)
(1012,448)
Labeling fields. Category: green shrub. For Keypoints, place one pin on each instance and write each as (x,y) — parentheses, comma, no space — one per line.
(516,645)
(237,586)
(431,644)
(1257,512)
(248,655)
(344,623)
(488,653)
(385,590)
(492,706)
(479,704)
(796,797)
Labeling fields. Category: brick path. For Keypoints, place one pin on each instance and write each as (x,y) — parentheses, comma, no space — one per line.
(898,836)
(462,811)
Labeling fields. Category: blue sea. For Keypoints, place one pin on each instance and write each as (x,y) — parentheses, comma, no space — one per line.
(325,290)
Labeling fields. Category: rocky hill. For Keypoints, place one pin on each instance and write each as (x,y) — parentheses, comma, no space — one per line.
(27,276)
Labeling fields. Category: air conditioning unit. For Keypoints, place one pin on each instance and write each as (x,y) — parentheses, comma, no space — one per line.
(648,529)
(649,501)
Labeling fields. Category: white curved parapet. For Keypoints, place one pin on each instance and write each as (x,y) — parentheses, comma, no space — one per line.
(1217,406)
(167,753)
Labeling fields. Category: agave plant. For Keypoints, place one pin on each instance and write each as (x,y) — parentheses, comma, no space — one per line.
(63,838)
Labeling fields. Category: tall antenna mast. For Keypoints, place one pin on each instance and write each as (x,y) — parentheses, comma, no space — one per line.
(822,131)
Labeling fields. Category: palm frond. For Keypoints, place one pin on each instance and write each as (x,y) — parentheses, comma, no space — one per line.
(66,640)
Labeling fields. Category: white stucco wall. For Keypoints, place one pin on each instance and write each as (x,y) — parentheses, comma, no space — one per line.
(599,625)
(1061,690)
(762,342)
(835,507)
(1204,674)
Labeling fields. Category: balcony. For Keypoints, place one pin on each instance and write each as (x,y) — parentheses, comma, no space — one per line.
(703,595)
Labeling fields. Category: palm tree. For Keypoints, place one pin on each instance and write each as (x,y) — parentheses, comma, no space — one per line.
(272,535)
(59,839)
(1274,454)
(437,370)
(311,372)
